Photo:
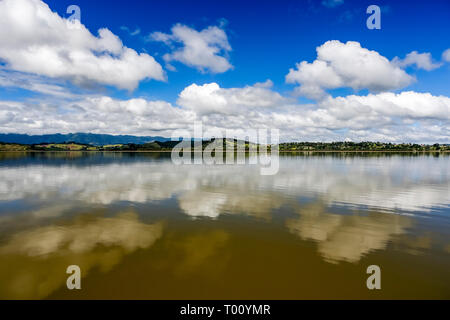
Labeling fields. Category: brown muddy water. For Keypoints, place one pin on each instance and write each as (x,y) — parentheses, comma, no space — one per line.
(141,227)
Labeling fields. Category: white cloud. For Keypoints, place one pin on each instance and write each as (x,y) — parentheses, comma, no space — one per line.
(408,104)
(94,114)
(395,117)
(421,60)
(202,50)
(210,98)
(446,55)
(346,65)
(38,84)
(36,40)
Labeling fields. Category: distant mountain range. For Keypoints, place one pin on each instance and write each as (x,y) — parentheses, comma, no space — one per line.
(83,138)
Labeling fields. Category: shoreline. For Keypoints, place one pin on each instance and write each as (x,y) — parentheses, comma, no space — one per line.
(170,151)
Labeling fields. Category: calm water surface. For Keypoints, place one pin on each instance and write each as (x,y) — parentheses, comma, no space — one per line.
(141,227)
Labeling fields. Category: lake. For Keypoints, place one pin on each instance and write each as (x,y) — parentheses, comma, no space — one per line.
(141,227)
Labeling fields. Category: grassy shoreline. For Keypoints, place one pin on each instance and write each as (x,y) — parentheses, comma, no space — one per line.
(230,146)
(170,151)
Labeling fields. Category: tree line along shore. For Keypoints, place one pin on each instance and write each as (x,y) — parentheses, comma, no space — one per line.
(236,145)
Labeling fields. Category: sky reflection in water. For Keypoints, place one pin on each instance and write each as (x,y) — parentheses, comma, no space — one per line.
(141,219)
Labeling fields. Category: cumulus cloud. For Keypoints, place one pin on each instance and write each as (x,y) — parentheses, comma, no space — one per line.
(96,115)
(421,60)
(204,50)
(346,65)
(36,40)
(406,116)
(408,104)
(396,117)
(446,55)
(211,98)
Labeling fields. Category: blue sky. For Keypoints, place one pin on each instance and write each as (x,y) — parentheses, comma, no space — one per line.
(269,37)
(265,40)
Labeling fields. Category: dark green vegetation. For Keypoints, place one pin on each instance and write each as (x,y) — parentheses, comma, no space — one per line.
(360,146)
(73,146)
(283,147)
